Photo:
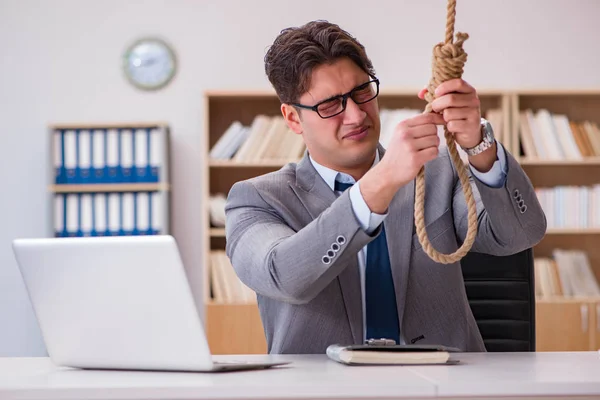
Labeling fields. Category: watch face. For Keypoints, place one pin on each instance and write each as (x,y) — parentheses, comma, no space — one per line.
(149,64)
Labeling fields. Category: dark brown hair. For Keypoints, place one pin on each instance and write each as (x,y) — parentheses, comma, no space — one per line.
(297,51)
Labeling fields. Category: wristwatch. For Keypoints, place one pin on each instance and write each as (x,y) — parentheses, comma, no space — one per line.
(487,139)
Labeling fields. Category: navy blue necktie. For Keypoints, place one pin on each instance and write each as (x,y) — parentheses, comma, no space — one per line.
(380,296)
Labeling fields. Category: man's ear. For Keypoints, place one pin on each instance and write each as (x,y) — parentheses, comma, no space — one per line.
(292,118)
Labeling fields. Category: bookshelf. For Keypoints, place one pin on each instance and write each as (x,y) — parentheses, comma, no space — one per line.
(233,327)
(110,179)
(563,323)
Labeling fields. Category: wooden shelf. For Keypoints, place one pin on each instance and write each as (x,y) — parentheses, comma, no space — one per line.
(573,231)
(234,329)
(217,232)
(566,162)
(124,125)
(566,300)
(124,187)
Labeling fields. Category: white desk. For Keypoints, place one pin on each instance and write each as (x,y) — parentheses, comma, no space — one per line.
(514,375)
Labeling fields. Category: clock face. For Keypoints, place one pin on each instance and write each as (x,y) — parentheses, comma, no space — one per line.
(149,64)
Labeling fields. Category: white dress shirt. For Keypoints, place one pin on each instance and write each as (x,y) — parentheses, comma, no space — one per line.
(369,221)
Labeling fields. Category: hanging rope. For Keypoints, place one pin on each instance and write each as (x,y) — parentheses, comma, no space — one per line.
(448,62)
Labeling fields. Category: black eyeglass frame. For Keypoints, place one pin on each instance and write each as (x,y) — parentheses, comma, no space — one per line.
(344,98)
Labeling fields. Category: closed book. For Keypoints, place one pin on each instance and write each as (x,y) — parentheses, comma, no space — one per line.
(368,354)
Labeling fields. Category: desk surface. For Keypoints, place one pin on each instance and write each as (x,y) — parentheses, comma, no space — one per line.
(316,377)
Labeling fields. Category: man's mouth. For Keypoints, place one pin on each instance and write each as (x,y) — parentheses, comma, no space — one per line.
(357,134)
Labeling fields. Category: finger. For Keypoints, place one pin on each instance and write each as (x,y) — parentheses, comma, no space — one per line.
(421,131)
(468,113)
(422,93)
(422,119)
(453,85)
(427,154)
(455,100)
(459,126)
(425,142)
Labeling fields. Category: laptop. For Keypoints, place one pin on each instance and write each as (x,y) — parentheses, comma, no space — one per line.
(117,303)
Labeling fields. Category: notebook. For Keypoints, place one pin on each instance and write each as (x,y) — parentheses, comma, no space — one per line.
(369,354)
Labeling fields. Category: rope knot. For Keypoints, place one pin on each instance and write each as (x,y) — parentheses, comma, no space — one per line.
(448,63)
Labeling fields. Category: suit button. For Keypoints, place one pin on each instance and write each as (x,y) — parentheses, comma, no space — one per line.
(330,253)
(523,209)
(335,247)
(341,240)
(521,203)
(516,193)
(326,260)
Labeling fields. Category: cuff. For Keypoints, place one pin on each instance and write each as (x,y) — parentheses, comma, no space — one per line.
(368,220)
(496,176)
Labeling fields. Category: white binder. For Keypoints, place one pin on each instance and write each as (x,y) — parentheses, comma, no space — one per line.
(114,214)
(143,217)
(100,214)
(98,162)
(86,214)
(126,155)
(72,214)
(128,213)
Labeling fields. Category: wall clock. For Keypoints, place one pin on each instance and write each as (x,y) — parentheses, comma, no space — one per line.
(149,63)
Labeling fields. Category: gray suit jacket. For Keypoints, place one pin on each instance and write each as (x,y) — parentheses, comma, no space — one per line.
(280,225)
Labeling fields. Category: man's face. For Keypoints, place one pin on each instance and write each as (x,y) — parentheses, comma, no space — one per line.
(347,141)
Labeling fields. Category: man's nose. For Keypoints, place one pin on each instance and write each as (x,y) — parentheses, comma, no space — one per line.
(353,114)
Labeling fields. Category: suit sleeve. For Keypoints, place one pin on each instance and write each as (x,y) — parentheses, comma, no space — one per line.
(277,262)
(510,217)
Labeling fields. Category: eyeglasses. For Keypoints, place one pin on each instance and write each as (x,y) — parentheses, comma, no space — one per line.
(336,105)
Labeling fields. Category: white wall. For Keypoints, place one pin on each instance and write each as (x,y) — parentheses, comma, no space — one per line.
(60,62)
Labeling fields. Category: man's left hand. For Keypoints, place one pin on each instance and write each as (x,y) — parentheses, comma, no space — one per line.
(458,103)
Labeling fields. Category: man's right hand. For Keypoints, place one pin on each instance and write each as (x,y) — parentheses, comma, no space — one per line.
(414,142)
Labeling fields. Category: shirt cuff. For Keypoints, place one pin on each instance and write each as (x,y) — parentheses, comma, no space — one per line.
(368,220)
(496,176)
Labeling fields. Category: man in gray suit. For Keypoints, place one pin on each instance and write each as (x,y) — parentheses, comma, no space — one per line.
(331,265)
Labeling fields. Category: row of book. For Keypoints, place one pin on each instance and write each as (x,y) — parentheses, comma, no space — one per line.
(109,214)
(216,206)
(552,136)
(571,206)
(226,287)
(106,156)
(267,139)
(567,273)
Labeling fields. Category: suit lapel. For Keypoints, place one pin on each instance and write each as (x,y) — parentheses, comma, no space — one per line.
(317,196)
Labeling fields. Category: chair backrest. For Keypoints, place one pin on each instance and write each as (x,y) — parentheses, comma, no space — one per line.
(501,293)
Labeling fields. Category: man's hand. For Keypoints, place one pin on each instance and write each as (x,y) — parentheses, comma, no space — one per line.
(459,104)
(414,142)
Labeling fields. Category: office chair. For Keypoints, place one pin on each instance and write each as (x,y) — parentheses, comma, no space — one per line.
(501,293)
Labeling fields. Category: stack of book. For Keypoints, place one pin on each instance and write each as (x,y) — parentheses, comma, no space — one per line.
(550,136)
(566,274)
(226,287)
(571,206)
(268,139)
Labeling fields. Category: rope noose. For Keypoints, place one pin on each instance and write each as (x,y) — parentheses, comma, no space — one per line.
(448,62)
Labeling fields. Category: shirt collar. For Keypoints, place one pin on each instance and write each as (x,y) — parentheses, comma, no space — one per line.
(330,176)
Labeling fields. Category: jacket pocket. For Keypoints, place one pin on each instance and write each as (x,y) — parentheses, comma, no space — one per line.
(436,228)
